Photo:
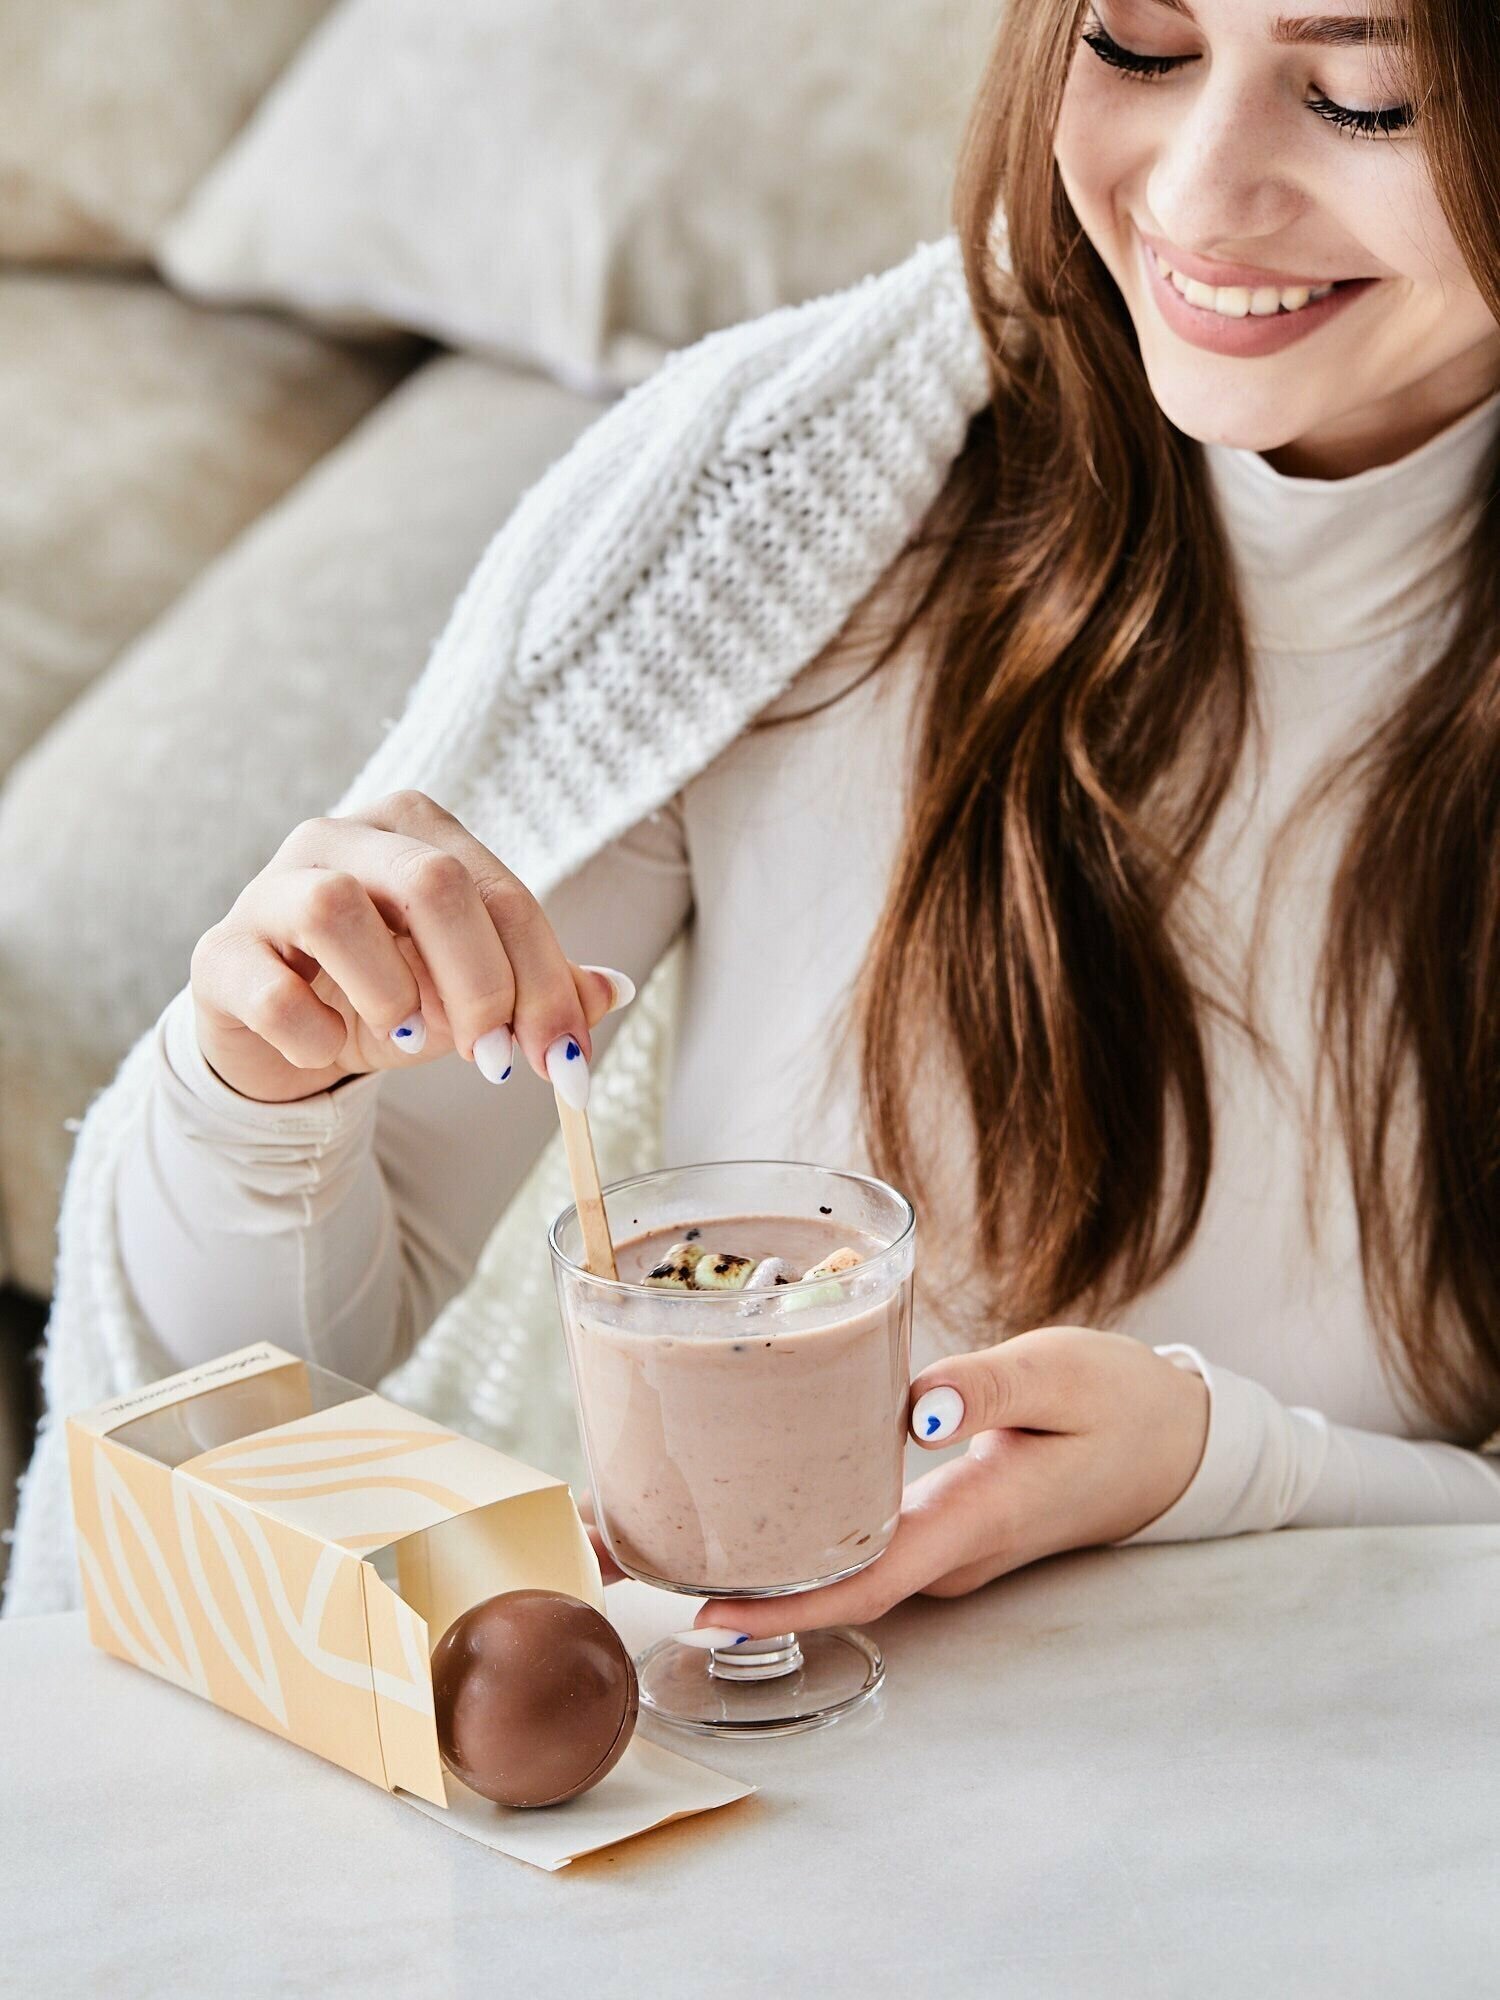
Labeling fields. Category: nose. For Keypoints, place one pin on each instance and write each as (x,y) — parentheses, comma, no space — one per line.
(1222,176)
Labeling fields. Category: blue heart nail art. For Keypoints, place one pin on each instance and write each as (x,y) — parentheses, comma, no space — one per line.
(934,1424)
(572,1050)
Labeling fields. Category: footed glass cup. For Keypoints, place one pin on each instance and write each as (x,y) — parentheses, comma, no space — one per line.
(746,1444)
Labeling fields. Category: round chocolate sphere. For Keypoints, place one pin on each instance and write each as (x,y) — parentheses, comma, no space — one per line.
(536,1697)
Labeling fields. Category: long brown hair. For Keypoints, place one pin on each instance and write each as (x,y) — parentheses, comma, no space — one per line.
(1088,697)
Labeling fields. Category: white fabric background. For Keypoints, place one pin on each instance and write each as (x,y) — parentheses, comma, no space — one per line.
(111,109)
(588,183)
(141,434)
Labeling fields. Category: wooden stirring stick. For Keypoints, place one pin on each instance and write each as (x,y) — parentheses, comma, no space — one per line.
(583,1172)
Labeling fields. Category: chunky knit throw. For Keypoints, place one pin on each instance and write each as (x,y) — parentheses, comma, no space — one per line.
(693,551)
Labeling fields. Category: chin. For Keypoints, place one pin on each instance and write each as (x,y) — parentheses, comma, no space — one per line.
(1206,408)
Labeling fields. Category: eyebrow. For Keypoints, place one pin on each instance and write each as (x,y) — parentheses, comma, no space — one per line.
(1325,30)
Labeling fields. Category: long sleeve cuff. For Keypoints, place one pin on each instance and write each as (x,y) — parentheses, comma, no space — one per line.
(204,1106)
(1266,1465)
(240,1220)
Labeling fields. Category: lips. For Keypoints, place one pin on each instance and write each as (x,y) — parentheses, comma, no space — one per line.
(1244,337)
(1226,276)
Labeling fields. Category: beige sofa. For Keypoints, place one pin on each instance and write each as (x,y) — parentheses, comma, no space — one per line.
(295,300)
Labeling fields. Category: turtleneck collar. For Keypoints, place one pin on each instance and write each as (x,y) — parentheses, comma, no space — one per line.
(1331,563)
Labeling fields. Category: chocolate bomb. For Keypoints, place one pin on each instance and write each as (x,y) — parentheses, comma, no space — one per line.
(535,1696)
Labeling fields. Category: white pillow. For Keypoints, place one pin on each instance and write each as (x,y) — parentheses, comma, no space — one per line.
(586,184)
(110,110)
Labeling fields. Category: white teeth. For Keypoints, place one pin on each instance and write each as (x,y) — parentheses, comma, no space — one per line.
(1236,301)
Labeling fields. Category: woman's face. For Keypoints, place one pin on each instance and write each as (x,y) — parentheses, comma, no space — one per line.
(1240,153)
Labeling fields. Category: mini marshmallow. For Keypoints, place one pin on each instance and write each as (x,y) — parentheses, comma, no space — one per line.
(804,1298)
(771,1271)
(843,1259)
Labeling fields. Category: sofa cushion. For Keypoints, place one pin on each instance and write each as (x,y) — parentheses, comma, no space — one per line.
(586,184)
(110,110)
(144,811)
(142,433)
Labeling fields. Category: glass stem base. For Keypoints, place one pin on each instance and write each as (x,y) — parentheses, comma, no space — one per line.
(788,1683)
(757,1659)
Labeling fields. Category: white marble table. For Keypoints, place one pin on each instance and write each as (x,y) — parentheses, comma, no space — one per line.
(1268,1768)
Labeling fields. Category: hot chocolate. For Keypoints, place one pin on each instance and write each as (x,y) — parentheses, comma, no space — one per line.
(749,1444)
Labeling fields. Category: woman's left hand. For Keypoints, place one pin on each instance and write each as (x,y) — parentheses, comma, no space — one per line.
(1075,1438)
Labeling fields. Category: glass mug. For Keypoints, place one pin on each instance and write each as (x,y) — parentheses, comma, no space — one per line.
(746,1444)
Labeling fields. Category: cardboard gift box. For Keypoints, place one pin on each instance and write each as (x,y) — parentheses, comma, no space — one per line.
(291,1547)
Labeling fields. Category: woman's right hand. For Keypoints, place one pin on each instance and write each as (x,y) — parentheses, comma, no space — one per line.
(393,915)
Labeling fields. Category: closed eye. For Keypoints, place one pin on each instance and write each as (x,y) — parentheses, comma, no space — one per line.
(1391,120)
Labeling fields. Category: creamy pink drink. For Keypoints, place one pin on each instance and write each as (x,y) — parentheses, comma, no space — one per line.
(750,1441)
(742,1394)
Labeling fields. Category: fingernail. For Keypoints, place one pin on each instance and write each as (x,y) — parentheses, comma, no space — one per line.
(621,984)
(710,1635)
(568,1068)
(493,1053)
(937,1415)
(410,1034)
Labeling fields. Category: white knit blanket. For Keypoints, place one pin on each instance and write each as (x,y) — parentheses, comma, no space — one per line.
(693,551)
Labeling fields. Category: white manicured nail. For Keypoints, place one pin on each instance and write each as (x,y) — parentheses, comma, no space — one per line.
(568,1068)
(622,986)
(710,1635)
(937,1415)
(494,1052)
(410,1034)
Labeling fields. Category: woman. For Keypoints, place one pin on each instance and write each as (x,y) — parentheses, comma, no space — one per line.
(1119,878)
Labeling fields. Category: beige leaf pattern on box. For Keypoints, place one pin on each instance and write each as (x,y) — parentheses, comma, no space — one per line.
(259,1468)
(261,1678)
(118,1509)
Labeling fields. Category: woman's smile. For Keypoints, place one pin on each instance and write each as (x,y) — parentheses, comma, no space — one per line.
(1239,319)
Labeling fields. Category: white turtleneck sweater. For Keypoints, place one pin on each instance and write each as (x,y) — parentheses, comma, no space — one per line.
(343,1238)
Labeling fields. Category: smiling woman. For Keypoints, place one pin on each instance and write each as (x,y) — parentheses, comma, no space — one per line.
(1092,688)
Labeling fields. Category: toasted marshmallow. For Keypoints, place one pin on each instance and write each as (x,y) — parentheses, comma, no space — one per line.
(826,1294)
(838,1260)
(722,1271)
(675,1271)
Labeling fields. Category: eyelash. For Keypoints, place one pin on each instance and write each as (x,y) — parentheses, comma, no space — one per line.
(1145,69)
